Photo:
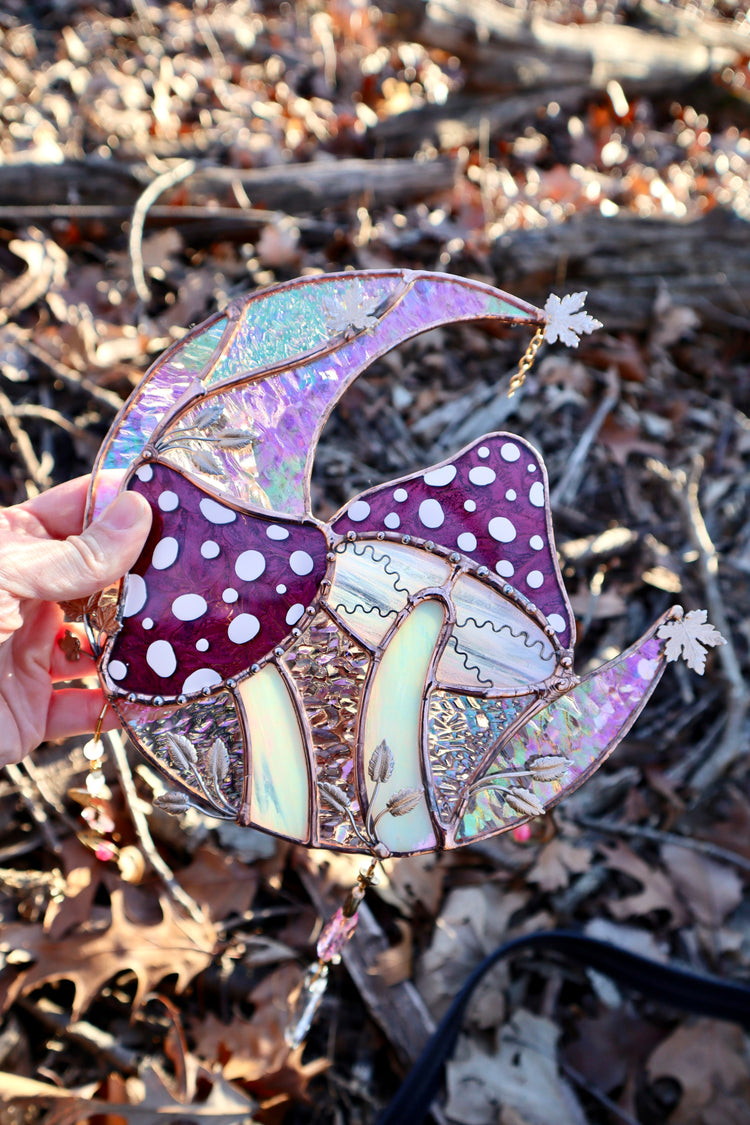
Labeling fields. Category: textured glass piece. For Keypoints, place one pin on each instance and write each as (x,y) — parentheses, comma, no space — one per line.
(154,397)
(215,590)
(287,323)
(337,931)
(584,725)
(490,503)
(394,715)
(372,582)
(288,410)
(461,730)
(280,787)
(201,722)
(494,645)
(329,669)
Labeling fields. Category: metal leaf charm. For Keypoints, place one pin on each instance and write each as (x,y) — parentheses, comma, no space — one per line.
(523,801)
(207,462)
(690,636)
(380,766)
(209,416)
(218,762)
(548,767)
(403,801)
(173,802)
(336,797)
(182,751)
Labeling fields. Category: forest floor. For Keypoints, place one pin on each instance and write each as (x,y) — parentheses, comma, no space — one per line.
(576,146)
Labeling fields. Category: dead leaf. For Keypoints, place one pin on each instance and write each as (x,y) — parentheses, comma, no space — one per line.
(711,890)
(521,1076)
(657,893)
(111,943)
(711,1062)
(220,882)
(556,862)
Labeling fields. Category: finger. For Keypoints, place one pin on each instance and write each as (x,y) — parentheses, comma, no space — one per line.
(77,567)
(60,510)
(76,711)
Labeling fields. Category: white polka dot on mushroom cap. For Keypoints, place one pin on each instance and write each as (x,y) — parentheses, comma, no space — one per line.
(300,562)
(135,597)
(281,588)
(148,622)
(511,494)
(117,670)
(359,511)
(531,468)
(392,521)
(229,595)
(467,542)
(210,549)
(400,495)
(557,622)
(505,569)
(536,494)
(168,500)
(189,607)
(509,451)
(431,514)
(438,478)
(482,475)
(161,659)
(534,579)
(470,505)
(243,628)
(483,451)
(536,542)
(216,513)
(502,529)
(202,645)
(249,566)
(165,553)
(294,613)
(144,472)
(275,531)
(201,678)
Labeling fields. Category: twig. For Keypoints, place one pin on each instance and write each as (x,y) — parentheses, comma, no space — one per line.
(638,831)
(66,373)
(140,824)
(39,477)
(685,489)
(135,241)
(569,483)
(49,414)
(35,809)
(93,1039)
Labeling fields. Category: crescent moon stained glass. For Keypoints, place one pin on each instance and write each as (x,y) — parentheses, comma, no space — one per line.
(397,680)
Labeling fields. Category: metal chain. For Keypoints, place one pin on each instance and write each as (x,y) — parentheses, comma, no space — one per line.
(526,362)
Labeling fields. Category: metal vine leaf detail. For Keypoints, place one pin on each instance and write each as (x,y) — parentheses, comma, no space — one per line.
(395,680)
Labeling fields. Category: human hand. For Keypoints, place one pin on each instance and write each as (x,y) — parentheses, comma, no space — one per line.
(45,558)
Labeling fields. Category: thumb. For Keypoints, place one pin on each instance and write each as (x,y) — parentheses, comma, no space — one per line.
(78,566)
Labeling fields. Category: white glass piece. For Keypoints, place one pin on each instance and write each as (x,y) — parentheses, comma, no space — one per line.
(280,788)
(373,580)
(493,644)
(394,713)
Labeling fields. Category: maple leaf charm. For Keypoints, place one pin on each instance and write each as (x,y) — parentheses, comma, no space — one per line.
(689,637)
(566,320)
(349,312)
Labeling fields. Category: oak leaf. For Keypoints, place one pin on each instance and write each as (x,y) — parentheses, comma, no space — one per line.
(93,953)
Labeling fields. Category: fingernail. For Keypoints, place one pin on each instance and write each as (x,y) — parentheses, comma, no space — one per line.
(125,511)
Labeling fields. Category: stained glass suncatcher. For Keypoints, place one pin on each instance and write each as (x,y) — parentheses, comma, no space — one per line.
(397,680)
